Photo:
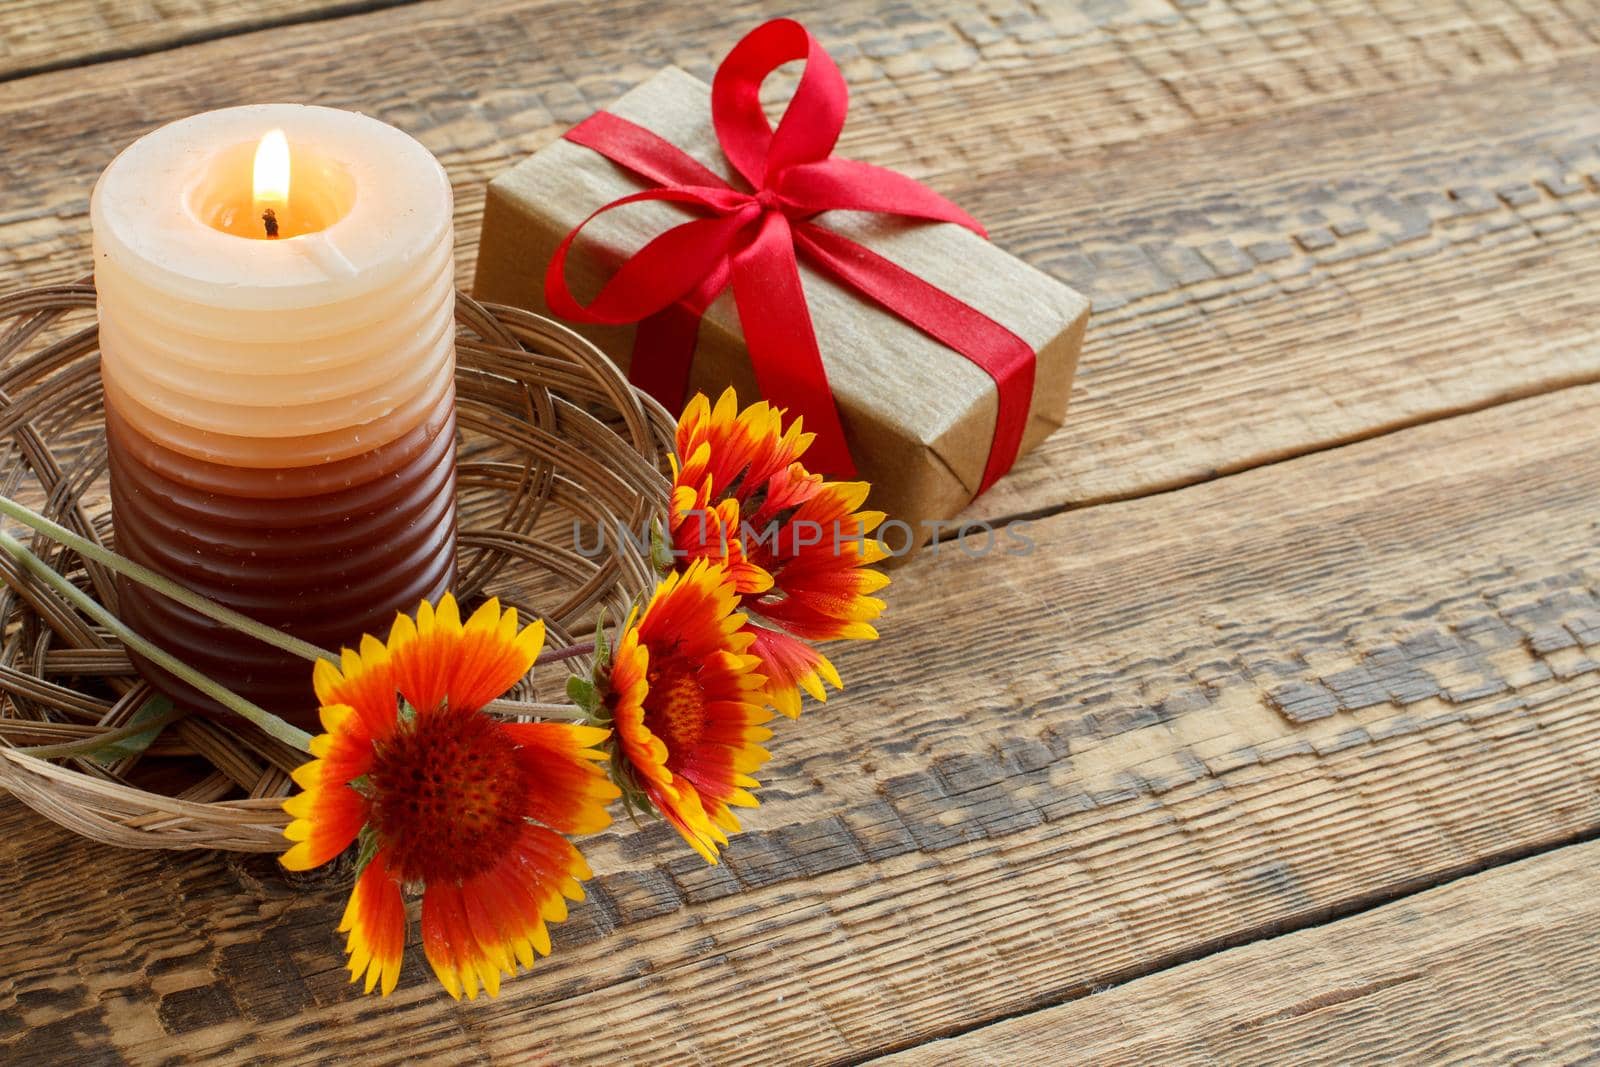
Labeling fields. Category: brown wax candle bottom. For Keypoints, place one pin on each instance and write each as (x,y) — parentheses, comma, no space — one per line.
(326,567)
(277,681)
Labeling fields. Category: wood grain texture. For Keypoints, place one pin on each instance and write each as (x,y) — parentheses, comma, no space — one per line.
(1179,724)
(37,35)
(1494,968)
(1302,223)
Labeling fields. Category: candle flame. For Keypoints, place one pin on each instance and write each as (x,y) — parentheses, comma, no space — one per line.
(272,169)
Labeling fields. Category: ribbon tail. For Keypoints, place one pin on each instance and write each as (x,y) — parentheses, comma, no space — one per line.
(783,345)
(664,344)
(1005,357)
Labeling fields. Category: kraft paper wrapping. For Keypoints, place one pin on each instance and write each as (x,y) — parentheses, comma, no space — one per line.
(918,416)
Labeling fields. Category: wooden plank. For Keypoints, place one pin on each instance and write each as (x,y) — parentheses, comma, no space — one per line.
(1494,968)
(1434,254)
(39,35)
(1179,724)
(1299,220)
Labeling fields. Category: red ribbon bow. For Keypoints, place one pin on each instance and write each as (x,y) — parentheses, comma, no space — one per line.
(750,239)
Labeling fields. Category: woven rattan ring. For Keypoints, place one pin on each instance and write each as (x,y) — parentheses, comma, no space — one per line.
(552,442)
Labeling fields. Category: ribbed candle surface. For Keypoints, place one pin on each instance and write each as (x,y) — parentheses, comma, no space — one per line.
(280,413)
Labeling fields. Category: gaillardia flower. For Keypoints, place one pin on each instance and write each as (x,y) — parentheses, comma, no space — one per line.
(447,799)
(799,548)
(684,696)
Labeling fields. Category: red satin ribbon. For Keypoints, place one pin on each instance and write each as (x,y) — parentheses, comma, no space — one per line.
(750,240)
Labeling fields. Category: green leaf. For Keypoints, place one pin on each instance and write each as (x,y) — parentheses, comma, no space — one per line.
(582,692)
(634,801)
(661,556)
(602,646)
(156,711)
(368,840)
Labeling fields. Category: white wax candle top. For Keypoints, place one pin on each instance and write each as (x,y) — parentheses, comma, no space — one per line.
(306,336)
(158,205)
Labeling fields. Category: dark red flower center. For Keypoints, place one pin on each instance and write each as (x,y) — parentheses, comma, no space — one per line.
(675,707)
(449,796)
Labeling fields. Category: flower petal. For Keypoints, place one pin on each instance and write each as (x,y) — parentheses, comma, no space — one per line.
(363,681)
(571,790)
(375,925)
(492,656)
(422,652)
(688,816)
(790,665)
(495,922)
(328,814)
(436,658)
(447,941)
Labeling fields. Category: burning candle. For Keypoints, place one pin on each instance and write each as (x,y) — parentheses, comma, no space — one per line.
(276,297)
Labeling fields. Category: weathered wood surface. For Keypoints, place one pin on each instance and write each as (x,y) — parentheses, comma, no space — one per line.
(1300,221)
(1181,723)
(40,35)
(1494,968)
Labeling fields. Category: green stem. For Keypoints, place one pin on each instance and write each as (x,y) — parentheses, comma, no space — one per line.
(519,709)
(263,718)
(163,585)
(88,746)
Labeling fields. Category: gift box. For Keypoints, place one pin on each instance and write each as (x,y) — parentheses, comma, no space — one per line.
(922,421)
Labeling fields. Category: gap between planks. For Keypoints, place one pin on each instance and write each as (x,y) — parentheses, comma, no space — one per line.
(1491,968)
(1511,396)
(1353,908)
(202,34)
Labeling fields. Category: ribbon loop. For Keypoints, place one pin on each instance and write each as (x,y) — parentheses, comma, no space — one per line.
(647,154)
(812,122)
(658,275)
(836,184)
(749,240)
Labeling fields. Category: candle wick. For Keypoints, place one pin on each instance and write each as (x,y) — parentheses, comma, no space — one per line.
(269,219)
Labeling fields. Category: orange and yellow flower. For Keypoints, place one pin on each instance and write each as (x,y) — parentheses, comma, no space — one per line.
(446,798)
(684,696)
(799,547)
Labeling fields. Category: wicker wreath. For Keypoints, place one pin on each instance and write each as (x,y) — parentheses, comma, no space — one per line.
(552,440)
